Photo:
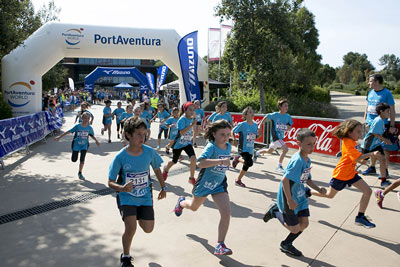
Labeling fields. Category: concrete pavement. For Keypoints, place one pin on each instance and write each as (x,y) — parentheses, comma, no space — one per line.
(89,233)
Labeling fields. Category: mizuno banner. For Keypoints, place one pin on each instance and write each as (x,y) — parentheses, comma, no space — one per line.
(161,75)
(188,56)
(150,79)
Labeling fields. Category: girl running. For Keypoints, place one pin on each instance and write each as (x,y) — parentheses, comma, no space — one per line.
(199,119)
(223,113)
(117,113)
(171,123)
(107,119)
(84,108)
(214,162)
(163,115)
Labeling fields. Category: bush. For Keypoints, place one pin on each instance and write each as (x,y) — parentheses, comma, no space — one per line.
(319,94)
(5,109)
(336,86)
(306,106)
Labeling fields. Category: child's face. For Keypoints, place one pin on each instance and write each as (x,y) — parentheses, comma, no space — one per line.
(137,137)
(175,113)
(137,112)
(85,118)
(249,114)
(119,105)
(160,107)
(197,105)
(222,135)
(284,107)
(385,114)
(356,133)
(83,107)
(190,111)
(307,145)
(108,104)
(129,109)
(223,108)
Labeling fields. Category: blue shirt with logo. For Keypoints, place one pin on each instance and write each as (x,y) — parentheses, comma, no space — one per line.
(227,116)
(280,125)
(373,99)
(81,137)
(117,113)
(370,141)
(146,116)
(137,170)
(247,136)
(106,111)
(186,139)
(199,114)
(212,180)
(173,130)
(162,116)
(298,172)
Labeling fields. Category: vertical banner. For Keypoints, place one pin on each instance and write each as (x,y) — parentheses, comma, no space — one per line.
(188,57)
(213,43)
(71,84)
(225,31)
(161,75)
(150,79)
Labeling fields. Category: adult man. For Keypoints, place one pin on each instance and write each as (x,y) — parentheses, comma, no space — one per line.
(154,103)
(379,94)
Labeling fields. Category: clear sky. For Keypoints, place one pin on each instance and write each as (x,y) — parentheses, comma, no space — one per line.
(363,26)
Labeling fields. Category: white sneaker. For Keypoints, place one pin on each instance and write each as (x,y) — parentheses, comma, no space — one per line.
(279,169)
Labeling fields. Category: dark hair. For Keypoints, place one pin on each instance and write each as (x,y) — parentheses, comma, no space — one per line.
(245,110)
(222,103)
(214,127)
(131,124)
(377,77)
(381,107)
(282,101)
(107,102)
(344,128)
(304,133)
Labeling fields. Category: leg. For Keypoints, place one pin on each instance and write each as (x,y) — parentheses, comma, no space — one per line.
(366,190)
(222,202)
(303,221)
(109,131)
(192,166)
(169,165)
(193,204)
(373,161)
(285,150)
(195,133)
(241,174)
(127,236)
(146,225)
(391,187)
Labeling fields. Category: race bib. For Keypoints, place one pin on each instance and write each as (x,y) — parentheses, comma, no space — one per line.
(139,181)
(186,138)
(251,137)
(281,127)
(371,110)
(82,134)
(305,175)
(198,117)
(222,168)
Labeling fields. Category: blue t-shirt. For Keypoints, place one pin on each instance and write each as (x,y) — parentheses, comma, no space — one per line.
(162,116)
(107,120)
(125,115)
(199,114)
(298,172)
(247,136)
(280,124)
(173,130)
(212,180)
(118,112)
(370,141)
(146,116)
(186,139)
(81,137)
(373,99)
(211,118)
(137,170)
(227,116)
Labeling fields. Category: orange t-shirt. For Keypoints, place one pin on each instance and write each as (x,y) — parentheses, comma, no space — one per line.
(346,168)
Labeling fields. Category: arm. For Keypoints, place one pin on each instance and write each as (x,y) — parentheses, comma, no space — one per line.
(392,119)
(311,184)
(162,194)
(235,142)
(94,138)
(120,188)
(383,139)
(61,136)
(286,189)
(184,131)
(207,163)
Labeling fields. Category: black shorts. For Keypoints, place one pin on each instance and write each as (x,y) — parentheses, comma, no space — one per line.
(161,130)
(248,160)
(378,148)
(74,156)
(141,212)
(176,153)
(292,219)
(198,123)
(339,184)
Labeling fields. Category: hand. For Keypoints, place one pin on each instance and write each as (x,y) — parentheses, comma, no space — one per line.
(392,129)
(364,161)
(57,138)
(292,204)
(127,187)
(162,195)
(97,143)
(387,141)
(225,162)
(322,190)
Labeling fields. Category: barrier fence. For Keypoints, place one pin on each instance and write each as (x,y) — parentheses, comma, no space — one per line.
(20,132)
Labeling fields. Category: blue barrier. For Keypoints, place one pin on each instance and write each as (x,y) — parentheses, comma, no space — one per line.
(17,133)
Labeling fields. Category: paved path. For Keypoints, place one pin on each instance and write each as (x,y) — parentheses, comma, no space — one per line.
(88,233)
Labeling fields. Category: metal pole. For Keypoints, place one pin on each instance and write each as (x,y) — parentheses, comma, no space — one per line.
(219,58)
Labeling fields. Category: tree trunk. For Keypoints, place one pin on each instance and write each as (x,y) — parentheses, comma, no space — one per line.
(261,89)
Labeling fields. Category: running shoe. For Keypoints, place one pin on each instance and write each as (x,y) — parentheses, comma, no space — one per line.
(80,176)
(239,183)
(192,181)
(178,209)
(271,212)
(195,145)
(369,171)
(167,151)
(235,161)
(118,137)
(126,261)
(379,197)
(363,221)
(221,249)
(262,151)
(280,169)
(165,175)
(385,183)
(290,249)
(158,147)
(255,156)
(109,141)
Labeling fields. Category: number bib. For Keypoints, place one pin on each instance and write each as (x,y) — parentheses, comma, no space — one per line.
(305,175)
(139,181)
(371,110)
(222,168)
(251,137)
(186,138)
(281,127)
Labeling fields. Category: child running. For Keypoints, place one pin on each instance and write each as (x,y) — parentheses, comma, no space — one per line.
(210,119)
(163,115)
(199,118)
(84,108)
(223,113)
(374,138)
(281,123)
(107,119)
(171,123)
(117,113)
(214,162)
(292,207)
(345,172)
(248,132)
(183,141)
(134,187)
(80,143)
(380,195)
(146,116)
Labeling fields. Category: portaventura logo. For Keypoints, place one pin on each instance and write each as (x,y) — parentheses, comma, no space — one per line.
(19,95)
(121,40)
(72,36)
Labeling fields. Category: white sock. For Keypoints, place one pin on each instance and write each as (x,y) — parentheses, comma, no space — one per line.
(279,216)
(280,165)
(125,256)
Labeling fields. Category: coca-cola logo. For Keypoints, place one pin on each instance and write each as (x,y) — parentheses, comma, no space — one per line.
(322,132)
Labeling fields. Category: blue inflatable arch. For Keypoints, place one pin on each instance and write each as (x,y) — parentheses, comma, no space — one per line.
(92,77)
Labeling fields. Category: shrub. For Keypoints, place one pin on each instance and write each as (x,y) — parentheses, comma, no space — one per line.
(319,94)
(336,86)
(5,109)
(305,106)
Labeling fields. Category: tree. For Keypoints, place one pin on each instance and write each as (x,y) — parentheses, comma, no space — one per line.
(359,65)
(391,65)
(326,75)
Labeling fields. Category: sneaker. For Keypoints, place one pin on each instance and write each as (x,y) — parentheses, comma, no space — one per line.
(235,161)
(369,171)
(181,158)
(102,131)
(290,249)
(255,156)
(221,249)
(271,212)
(126,261)
(80,176)
(195,145)
(379,197)
(158,147)
(167,151)
(109,141)
(308,191)
(118,137)
(363,221)
(385,183)
(165,175)
(178,209)
(239,183)
(192,181)
(280,169)
(387,173)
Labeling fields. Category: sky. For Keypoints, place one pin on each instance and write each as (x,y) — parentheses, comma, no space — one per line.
(363,26)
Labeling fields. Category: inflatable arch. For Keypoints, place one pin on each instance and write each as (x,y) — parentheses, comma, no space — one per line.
(23,68)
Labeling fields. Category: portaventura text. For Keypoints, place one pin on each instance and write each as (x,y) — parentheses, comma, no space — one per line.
(126,40)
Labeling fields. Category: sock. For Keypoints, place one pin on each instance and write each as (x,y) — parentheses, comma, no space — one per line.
(279,164)
(279,216)
(125,256)
(291,237)
(79,172)
(360,214)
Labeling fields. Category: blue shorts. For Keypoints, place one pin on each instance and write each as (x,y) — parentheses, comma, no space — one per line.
(339,184)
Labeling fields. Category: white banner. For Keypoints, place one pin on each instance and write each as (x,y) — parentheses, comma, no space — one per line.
(225,30)
(213,43)
(71,84)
